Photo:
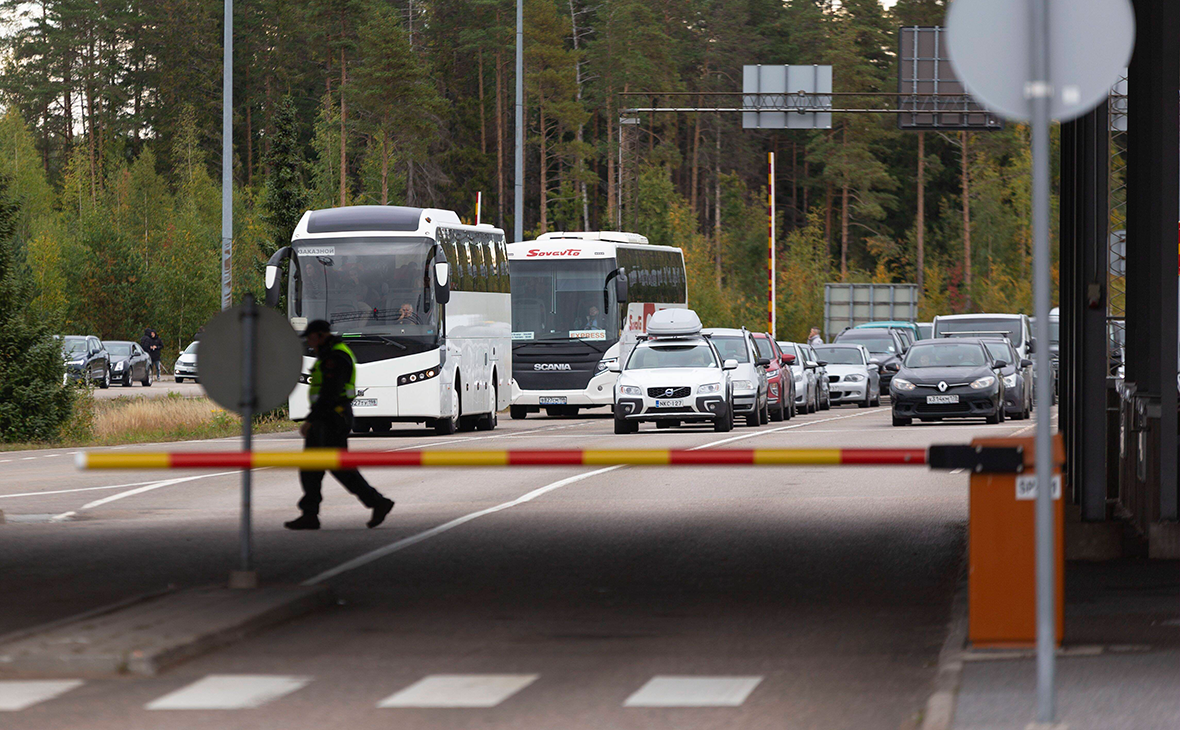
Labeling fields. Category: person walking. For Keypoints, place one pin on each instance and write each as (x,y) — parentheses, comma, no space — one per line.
(814,339)
(331,390)
(153,346)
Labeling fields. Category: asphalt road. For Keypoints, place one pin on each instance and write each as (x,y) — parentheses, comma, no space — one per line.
(792,597)
(158,389)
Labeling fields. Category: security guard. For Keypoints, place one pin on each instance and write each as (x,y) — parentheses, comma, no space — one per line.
(333,386)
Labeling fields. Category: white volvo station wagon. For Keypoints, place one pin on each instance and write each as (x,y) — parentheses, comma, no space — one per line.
(674,375)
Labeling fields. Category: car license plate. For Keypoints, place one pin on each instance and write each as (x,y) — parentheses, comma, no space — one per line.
(669,403)
(941,399)
(552,400)
(364,403)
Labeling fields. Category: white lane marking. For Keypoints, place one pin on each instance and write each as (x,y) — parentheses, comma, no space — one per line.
(28,458)
(78,489)
(18,694)
(763,432)
(5,461)
(404,543)
(229,692)
(459,690)
(140,490)
(670,691)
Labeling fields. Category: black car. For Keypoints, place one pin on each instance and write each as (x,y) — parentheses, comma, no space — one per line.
(86,360)
(1017,375)
(955,378)
(884,346)
(129,362)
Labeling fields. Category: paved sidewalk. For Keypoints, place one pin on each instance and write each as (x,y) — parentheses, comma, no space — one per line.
(1119,667)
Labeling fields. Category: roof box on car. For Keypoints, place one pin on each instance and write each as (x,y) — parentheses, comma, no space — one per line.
(674,323)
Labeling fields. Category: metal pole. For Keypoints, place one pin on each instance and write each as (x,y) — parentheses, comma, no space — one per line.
(771,261)
(249,329)
(1038,91)
(518,197)
(227,163)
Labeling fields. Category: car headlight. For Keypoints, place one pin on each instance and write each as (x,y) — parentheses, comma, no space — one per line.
(985,382)
(1010,381)
(118,366)
(77,363)
(605,363)
(709,388)
(853,378)
(742,385)
(902,384)
(630,390)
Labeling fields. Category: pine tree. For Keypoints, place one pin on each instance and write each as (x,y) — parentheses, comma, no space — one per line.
(284,196)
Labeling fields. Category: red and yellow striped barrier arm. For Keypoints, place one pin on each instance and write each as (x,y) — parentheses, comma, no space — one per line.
(336,459)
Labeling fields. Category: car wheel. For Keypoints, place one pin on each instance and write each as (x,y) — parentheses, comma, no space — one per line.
(996,417)
(754,418)
(106,379)
(899,421)
(779,412)
(126,383)
(724,424)
(147,377)
(868,401)
(826,405)
(518,413)
(622,425)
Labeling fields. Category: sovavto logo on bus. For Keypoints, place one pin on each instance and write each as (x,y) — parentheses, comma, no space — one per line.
(551,366)
(534,252)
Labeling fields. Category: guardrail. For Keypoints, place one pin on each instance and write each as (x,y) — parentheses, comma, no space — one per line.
(944,456)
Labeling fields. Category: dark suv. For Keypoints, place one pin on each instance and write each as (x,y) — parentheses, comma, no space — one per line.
(86,360)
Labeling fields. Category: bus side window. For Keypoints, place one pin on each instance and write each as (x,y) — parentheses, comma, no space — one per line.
(478,247)
(504,265)
(491,257)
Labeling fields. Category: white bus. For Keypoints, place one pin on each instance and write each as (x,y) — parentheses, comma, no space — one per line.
(421,300)
(577,299)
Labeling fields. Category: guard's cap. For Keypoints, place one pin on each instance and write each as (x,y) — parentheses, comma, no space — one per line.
(317,325)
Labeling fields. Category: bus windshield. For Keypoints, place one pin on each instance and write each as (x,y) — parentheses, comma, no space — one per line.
(367,286)
(980,327)
(561,299)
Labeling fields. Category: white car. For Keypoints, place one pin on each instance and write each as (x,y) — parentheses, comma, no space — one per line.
(851,377)
(186,364)
(751,391)
(805,372)
(672,376)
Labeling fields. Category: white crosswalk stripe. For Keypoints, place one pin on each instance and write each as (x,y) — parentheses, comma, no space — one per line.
(229,692)
(673,691)
(459,690)
(18,694)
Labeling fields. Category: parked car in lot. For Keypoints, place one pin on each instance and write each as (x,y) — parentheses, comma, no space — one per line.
(908,330)
(852,378)
(672,376)
(949,378)
(1017,375)
(885,349)
(186,364)
(86,360)
(821,378)
(805,372)
(926,330)
(749,379)
(129,362)
(779,382)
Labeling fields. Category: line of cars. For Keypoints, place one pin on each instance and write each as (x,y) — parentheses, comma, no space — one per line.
(93,361)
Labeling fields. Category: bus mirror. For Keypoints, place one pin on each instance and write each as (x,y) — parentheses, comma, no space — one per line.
(272,275)
(442,286)
(622,290)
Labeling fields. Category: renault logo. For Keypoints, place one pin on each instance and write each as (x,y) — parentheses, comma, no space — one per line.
(942,386)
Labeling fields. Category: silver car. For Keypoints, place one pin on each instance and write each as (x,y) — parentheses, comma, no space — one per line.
(851,377)
(821,378)
(804,369)
(750,390)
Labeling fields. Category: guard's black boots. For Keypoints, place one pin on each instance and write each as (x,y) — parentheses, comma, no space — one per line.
(303,522)
(379,513)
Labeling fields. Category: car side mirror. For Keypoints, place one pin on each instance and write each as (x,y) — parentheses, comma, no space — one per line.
(614,367)
(762,362)
(730,364)
(1032,345)
(812,365)
(874,366)
(874,361)
(1000,364)
(788,359)
(442,282)
(822,363)
(1026,363)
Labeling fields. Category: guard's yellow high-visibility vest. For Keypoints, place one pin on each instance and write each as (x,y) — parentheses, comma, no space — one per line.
(317,375)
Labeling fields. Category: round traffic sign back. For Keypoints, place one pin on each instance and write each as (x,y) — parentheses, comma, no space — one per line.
(990,46)
(278,358)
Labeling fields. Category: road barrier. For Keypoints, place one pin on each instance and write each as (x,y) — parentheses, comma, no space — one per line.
(936,457)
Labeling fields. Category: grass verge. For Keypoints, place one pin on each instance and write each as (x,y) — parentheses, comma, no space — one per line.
(137,420)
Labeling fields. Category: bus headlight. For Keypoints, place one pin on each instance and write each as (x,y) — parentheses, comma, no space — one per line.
(709,388)
(419,376)
(605,363)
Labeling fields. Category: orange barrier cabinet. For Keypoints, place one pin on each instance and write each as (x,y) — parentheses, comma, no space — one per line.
(1002,551)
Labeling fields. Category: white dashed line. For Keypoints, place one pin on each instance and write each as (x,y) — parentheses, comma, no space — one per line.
(229,692)
(18,694)
(459,690)
(693,692)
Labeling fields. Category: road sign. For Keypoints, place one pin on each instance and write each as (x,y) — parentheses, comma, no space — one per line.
(1089,44)
(928,89)
(279,356)
(785,87)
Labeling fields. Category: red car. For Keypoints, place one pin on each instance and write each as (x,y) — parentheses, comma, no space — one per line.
(780,383)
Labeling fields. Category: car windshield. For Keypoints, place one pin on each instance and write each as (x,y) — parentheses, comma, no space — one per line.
(562,299)
(697,355)
(764,348)
(74,346)
(999,351)
(1054,331)
(191,349)
(732,347)
(877,344)
(840,355)
(965,355)
(981,326)
(122,349)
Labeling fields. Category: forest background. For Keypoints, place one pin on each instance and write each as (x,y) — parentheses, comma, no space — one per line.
(110,139)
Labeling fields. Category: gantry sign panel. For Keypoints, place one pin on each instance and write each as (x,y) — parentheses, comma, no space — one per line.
(786,97)
(928,92)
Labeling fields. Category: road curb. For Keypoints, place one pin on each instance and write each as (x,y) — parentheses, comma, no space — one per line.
(147,634)
(940,706)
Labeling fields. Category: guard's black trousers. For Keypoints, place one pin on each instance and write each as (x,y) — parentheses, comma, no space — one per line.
(333,435)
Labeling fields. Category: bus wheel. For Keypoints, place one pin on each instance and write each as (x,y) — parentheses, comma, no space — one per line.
(518,413)
(449,424)
(487,421)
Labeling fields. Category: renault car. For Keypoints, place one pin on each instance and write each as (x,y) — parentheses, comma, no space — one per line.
(948,378)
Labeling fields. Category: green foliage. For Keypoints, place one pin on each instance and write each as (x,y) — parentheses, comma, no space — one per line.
(284,195)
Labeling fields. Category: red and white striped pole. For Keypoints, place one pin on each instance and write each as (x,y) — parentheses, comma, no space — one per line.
(770,313)
(478,207)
